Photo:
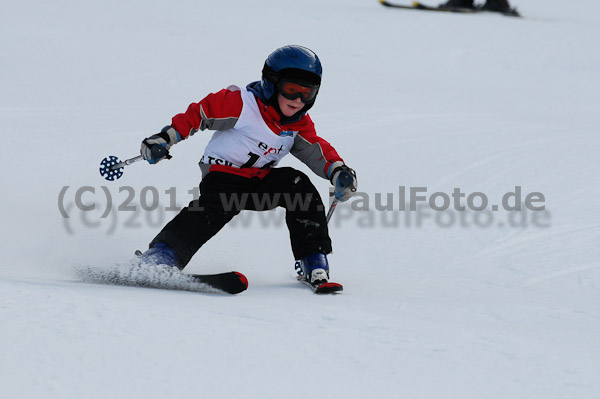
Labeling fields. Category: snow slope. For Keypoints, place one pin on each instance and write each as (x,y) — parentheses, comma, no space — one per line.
(454,304)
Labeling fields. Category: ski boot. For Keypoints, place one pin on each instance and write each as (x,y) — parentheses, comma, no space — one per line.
(161,254)
(497,5)
(457,4)
(314,268)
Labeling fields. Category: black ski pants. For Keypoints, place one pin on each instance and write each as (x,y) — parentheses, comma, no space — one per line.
(224,195)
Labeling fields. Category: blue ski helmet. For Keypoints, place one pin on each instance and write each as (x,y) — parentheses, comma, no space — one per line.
(292,62)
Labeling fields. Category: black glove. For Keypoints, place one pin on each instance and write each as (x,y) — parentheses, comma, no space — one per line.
(156,147)
(344,180)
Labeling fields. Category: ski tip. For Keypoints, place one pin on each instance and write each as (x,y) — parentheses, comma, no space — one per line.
(243,280)
(236,285)
(229,282)
(329,288)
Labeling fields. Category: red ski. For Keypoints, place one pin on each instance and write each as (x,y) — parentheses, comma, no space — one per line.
(325,288)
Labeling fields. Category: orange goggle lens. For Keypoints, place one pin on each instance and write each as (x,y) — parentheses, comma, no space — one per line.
(292,91)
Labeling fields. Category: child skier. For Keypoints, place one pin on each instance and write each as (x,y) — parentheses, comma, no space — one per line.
(255,127)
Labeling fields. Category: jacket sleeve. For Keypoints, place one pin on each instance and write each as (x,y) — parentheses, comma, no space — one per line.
(315,152)
(217,111)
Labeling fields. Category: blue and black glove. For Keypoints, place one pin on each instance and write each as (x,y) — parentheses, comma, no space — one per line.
(156,147)
(344,180)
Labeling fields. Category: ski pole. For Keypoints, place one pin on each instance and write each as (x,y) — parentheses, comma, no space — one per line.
(126,162)
(111,168)
(332,208)
(345,179)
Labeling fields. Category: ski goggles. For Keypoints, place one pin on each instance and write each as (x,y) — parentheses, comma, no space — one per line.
(293,90)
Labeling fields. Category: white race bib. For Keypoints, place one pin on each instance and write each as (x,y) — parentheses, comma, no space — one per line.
(251,143)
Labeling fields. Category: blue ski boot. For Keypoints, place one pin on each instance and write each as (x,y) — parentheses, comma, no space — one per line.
(314,268)
(160,254)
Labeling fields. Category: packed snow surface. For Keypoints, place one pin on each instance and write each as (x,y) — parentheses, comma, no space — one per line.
(437,304)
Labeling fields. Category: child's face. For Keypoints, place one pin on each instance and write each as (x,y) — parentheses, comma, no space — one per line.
(289,107)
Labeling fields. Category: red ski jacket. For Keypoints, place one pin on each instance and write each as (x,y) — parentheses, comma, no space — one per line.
(221,111)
